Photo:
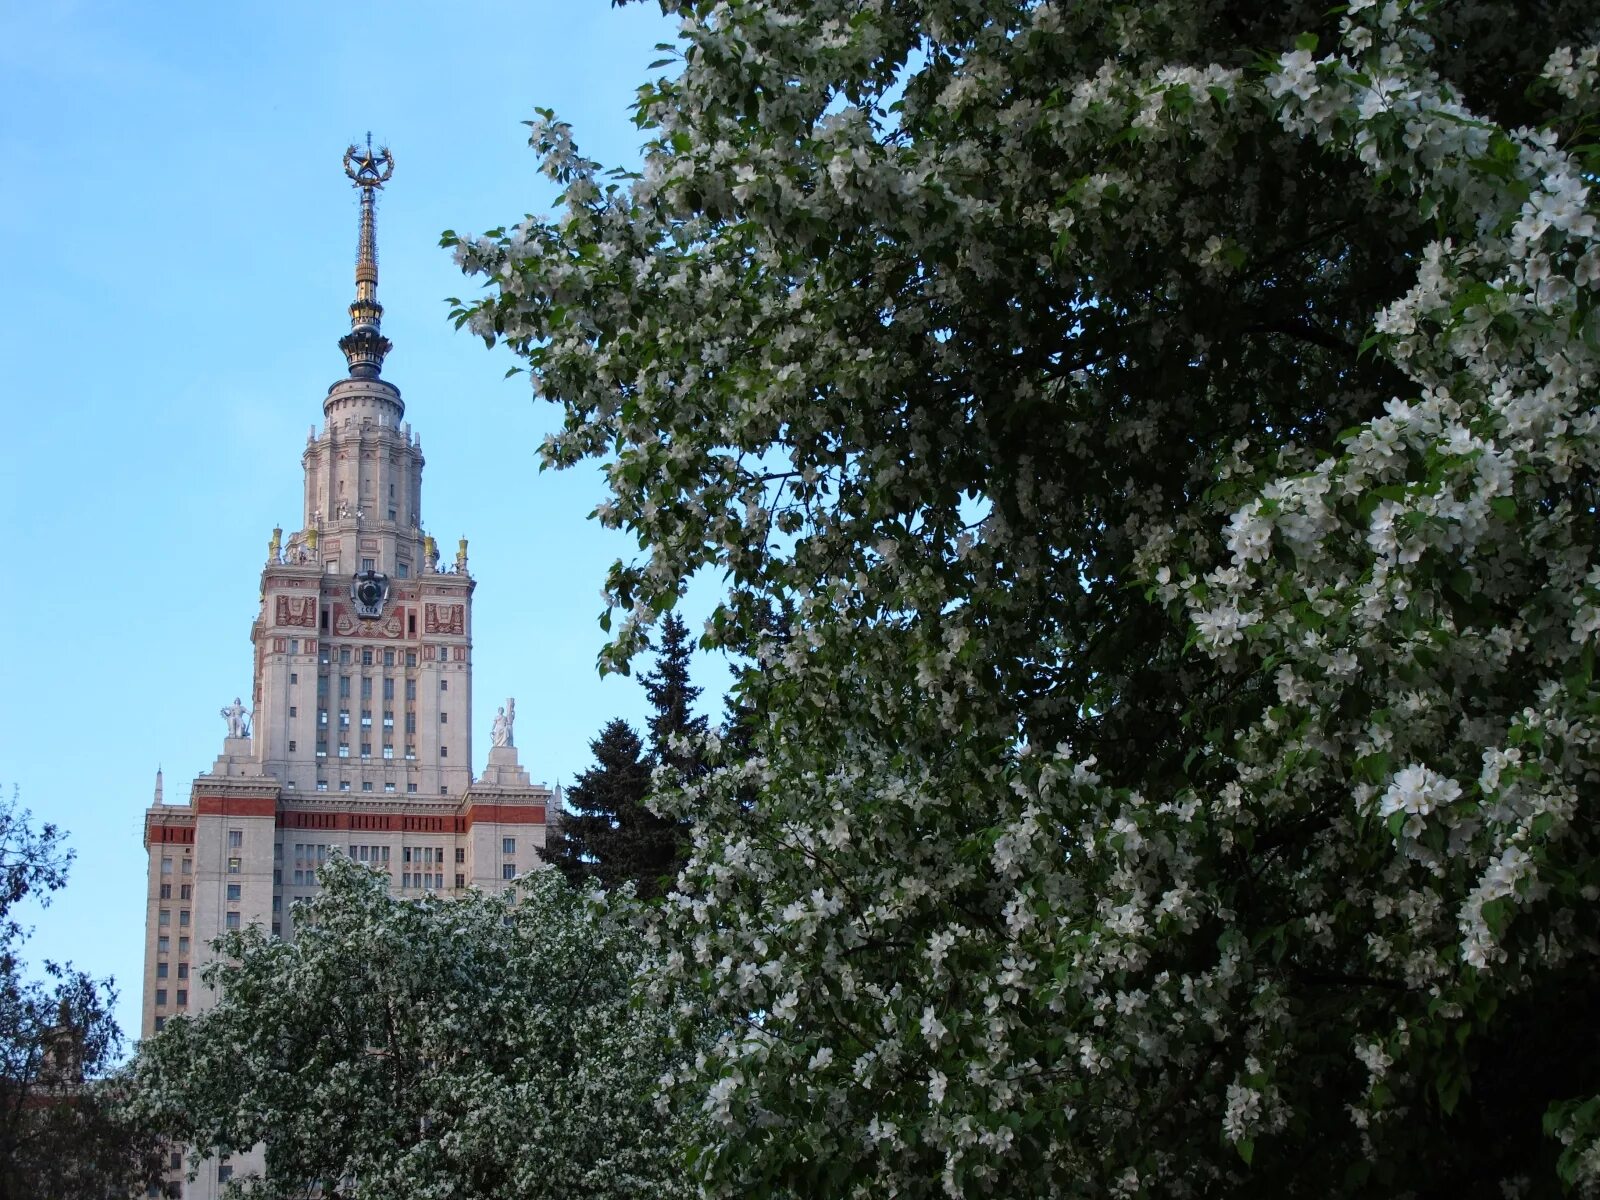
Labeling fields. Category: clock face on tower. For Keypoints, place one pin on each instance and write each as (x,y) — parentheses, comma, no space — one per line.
(368,591)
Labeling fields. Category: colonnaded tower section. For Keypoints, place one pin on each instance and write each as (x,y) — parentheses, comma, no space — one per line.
(357,737)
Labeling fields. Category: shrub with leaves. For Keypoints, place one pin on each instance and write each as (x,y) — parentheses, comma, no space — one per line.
(1168,435)
(458,1048)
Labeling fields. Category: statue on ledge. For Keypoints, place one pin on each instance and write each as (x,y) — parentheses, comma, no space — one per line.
(237,718)
(500,734)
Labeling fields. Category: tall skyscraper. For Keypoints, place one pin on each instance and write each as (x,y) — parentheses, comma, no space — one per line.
(358,735)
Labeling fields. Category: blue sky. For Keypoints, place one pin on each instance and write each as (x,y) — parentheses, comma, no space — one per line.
(176,244)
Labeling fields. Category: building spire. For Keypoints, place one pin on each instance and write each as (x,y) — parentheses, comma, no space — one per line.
(364,346)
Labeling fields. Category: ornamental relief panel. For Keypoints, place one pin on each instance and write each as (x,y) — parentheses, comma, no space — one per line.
(346,624)
(445,618)
(298,610)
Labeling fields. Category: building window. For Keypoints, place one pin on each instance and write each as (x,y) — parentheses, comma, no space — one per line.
(394,515)
(166,891)
(366,656)
(443,791)
(294,676)
(185,891)
(388,787)
(166,866)
(233,892)
(508,845)
(344,687)
(461,881)
(164,917)
(411,787)
(344,785)
(444,718)
(322,716)
(161,997)
(291,745)
(444,751)
(344,749)
(366,749)
(224,1173)
(233,920)
(388,718)
(411,656)
(183,997)
(294,711)
(366,685)
(405,570)
(322,785)
(326,657)
(277,904)
(369,564)
(183,970)
(163,944)
(388,751)
(366,786)
(366,718)
(188,866)
(388,661)
(183,918)
(444,685)
(161,1023)
(508,871)
(411,722)
(344,718)
(411,751)
(461,854)
(235,839)
(344,655)
(183,946)
(388,686)
(234,866)
(161,970)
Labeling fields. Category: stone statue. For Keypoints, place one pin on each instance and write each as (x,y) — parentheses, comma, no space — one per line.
(238,719)
(500,735)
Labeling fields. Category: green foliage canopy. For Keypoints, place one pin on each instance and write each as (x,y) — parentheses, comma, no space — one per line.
(1166,435)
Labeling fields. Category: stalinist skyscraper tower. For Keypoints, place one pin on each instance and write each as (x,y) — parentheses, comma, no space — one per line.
(357,734)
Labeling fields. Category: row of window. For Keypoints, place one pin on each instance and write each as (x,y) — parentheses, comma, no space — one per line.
(161,970)
(366,656)
(366,750)
(366,717)
(344,786)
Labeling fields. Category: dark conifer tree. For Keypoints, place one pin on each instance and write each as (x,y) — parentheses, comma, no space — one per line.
(611,834)
(602,802)
(672,697)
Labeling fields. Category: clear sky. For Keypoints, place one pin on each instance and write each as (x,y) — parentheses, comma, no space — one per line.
(176,245)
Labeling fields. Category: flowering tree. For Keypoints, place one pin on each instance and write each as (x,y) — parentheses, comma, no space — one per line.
(459,1048)
(1167,436)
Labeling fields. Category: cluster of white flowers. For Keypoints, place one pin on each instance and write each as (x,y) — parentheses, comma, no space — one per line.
(940,329)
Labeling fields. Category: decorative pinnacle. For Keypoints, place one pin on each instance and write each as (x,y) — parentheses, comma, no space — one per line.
(364,346)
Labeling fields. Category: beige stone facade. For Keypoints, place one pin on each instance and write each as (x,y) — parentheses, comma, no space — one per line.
(360,741)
